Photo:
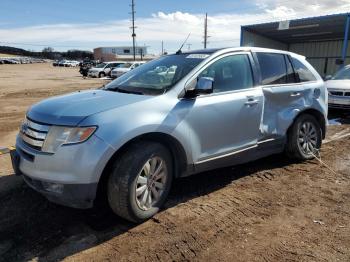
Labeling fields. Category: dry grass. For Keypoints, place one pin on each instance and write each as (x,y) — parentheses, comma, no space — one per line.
(8,55)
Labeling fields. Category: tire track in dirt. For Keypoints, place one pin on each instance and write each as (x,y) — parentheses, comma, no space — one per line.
(226,215)
(260,211)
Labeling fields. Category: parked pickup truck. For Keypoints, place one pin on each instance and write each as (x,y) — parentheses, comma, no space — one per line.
(129,140)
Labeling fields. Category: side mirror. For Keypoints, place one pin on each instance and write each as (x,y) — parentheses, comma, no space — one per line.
(328,77)
(204,85)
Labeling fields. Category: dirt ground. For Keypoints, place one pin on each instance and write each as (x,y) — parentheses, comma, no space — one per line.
(273,209)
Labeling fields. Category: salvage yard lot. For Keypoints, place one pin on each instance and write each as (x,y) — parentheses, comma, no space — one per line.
(268,210)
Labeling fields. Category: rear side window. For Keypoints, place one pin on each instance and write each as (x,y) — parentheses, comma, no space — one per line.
(291,76)
(273,68)
(302,71)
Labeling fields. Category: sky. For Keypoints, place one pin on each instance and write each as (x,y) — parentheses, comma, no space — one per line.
(86,24)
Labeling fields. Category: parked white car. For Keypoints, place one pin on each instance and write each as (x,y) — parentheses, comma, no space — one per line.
(71,63)
(122,69)
(62,62)
(104,69)
(338,88)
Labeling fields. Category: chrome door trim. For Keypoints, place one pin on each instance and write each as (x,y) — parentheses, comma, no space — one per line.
(226,154)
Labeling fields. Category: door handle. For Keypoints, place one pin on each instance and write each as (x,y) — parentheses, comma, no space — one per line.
(251,102)
(294,94)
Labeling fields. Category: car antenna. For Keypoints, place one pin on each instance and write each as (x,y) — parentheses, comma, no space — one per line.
(179,51)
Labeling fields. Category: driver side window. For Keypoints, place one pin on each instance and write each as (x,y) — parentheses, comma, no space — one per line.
(230,73)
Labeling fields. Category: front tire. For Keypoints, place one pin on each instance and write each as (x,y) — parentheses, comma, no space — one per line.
(101,75)
(304,138)
(140,181)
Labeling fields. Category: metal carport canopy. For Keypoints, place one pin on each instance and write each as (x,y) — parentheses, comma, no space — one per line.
(321,28)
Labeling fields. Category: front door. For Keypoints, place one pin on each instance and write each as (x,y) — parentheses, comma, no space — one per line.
(227,120)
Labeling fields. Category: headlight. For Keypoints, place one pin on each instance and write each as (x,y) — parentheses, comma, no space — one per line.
(60,135)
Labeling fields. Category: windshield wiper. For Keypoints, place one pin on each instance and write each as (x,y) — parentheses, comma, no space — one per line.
(120,90)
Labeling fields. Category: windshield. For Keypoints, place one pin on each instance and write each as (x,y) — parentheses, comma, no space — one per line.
(126,65)
(157,76)
(102,65)
(342,74)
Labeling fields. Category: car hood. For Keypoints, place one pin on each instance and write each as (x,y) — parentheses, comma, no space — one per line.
(338,84)
(72,108)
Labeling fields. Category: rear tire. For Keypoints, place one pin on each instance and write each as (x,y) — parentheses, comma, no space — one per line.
(137,189)
(304,138)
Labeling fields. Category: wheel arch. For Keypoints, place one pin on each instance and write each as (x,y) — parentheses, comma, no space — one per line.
(318,116)
(176,149)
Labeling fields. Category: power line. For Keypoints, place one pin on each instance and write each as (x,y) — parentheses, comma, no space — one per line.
(268,18)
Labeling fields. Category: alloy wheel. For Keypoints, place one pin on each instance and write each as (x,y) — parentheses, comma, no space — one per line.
(151,183)
(307,138)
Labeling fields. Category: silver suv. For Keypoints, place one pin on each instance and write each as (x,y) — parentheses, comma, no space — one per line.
(130,139)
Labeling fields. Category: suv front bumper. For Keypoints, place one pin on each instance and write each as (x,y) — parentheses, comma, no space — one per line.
(68,177)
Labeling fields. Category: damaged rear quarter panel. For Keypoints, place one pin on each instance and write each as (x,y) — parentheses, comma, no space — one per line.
(282,103)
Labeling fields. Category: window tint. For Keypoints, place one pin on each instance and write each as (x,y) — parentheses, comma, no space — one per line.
(102,65)
(230,73)
(302,71)
(291,77)
(148,80)
(342,74)
(126,65)
(273,68)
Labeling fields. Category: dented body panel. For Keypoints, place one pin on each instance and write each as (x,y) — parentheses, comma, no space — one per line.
(212,130)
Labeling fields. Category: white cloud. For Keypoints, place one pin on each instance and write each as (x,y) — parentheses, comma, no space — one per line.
(295,9)
(281,12)
(172,28)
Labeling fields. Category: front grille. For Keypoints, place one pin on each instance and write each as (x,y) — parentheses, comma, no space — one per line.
(33,133)
(336,93)
(339,106)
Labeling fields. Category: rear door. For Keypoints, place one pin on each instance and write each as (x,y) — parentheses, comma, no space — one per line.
(284,94)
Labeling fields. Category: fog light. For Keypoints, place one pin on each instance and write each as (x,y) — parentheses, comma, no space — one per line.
(52,187)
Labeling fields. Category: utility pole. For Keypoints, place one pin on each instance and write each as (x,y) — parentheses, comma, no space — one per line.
(162,48)
(205,31)
(189,46)
(133,28)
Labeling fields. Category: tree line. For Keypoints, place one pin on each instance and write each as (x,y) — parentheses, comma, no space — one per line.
(48,53)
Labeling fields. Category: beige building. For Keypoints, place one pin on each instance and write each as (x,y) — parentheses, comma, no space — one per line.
(124,53)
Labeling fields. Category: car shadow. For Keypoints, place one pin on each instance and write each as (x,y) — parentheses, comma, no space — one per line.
(342,116)
(33,228)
